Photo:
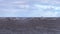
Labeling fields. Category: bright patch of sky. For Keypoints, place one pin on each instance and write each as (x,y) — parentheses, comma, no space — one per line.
(29,8)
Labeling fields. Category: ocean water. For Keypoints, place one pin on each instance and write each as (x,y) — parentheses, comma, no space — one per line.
(29,26)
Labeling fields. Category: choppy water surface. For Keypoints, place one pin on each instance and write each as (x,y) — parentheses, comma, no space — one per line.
(30,26)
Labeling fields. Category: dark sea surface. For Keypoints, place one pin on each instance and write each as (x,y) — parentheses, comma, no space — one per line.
(30,26)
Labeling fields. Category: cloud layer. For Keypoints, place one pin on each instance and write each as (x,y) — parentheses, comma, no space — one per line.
(29,8)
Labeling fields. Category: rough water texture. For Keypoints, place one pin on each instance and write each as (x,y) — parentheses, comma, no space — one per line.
(29,25)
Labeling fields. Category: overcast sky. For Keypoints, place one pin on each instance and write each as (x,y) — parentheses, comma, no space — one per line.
(29,8)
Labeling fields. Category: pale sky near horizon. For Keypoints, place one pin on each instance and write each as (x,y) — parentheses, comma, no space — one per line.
(29,8)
